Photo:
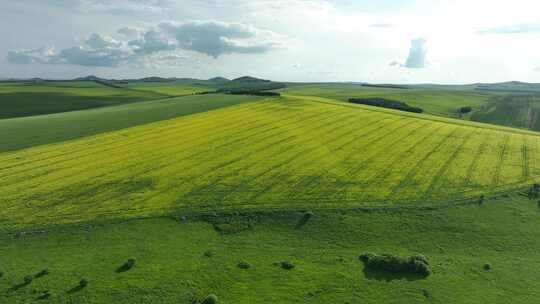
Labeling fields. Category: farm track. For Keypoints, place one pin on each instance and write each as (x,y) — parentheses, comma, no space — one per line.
(286,153)
(502,155)
(525,159)
(442,170)
(403,182)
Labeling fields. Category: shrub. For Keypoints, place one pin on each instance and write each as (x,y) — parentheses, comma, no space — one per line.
(130,263)
(44,272)
(487,266)
(1,274)
(534,191)
(386,103)
(464,110)
(210,299)
(391,263)
(305,218)
(28,279)
(481,200)
(83,283)
(287,265)
(253,92)
(366,256)
(208,253)
(244,265)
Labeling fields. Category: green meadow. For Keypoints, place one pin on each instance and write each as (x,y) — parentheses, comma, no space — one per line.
(165,198)
(28,99)
(435,101)
(24,132)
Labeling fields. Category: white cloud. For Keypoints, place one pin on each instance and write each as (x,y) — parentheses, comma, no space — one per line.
(117,7)
(40,55)
(218,38)
(130,32)
(206,37)
(417,58)
(417,54)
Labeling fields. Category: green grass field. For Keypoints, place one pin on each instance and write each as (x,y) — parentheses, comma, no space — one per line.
(515,110)
(28,99)
(292,152)
(191,186)
(19,133)
(172,268)
(439,102)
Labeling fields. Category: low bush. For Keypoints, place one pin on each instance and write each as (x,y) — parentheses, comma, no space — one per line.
(130,263)
(464,110)
(210,299)
(83,283)
(305,218)
(232,223)
(481,200)
(28,279)
(487,266)
(1,274)
(534,191)
(250,92)
(386,103)
(244,265)
(287,265)
(417,264)
(44,272)
(208,253)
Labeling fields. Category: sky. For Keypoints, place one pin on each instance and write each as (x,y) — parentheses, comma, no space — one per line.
(385,41)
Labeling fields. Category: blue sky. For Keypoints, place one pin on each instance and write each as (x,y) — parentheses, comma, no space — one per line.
(399,41)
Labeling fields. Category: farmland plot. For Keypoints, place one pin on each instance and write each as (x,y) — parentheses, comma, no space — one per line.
(291,152)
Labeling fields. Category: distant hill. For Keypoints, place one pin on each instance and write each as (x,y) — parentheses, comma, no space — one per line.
(509,86)
(218,79)
(252,84)
(249,79)
(90,78)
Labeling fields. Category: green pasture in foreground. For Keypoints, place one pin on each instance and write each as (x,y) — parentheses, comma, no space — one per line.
(433,101)
(289,152)
(19,133)
(28,99)
(171,265)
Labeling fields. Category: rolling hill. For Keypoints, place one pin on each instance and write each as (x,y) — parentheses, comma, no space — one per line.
(289,153)
(513,110)
(18,99)
(25,132)
(435,101)
(209,194)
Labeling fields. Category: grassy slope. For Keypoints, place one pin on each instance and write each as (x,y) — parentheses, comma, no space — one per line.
(515,110)
(171,267)
(19,133)
(433,101)
(22,99)
(278,153)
